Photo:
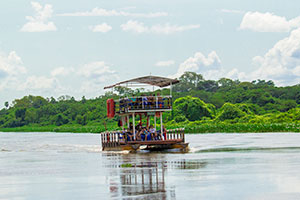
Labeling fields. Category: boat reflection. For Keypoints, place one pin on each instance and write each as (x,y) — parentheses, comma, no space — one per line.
(144,176)
(145,180)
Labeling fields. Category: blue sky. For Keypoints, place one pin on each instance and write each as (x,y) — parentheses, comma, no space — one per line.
(53,48)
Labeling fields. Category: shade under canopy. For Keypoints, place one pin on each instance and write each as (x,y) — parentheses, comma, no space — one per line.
(150,80)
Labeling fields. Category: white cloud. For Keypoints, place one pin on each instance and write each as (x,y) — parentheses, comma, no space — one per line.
(165,63)
(96,74)
(209,67)
(282,62)
(103,12)
(236,74)
(11,69)
(97,71)
(62,71)
(134,26)
(39,83)
(11,65)
(268,22)
(169,29)
(232,11)
(138,27)
(40,22)
(101,28)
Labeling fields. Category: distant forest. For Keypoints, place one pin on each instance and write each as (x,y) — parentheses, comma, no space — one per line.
(195,101)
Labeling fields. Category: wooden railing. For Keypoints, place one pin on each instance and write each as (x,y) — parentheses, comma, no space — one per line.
(175,134)
(110,139)
(114,139)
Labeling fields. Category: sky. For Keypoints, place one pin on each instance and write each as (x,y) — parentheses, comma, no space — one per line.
(75,48)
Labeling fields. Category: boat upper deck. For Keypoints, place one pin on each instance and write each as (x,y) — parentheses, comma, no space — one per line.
(143,104)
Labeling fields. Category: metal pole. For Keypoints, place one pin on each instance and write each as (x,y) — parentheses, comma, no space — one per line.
(155,121)
(133,121)
(161,123)
(128,121)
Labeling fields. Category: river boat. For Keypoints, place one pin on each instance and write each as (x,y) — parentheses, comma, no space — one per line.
(133,110)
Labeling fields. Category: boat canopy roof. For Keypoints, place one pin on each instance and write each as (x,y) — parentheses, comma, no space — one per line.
(150,80)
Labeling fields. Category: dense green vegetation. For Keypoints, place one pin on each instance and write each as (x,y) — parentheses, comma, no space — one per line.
(199,105)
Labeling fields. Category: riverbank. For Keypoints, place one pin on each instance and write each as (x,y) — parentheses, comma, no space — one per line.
(203,128)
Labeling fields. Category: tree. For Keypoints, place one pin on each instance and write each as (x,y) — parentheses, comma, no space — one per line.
(83,100)
(52,100)
(123,90)
(188,81)
(230,111)
(192,108)
(20,113)
(60,120)
(6,104)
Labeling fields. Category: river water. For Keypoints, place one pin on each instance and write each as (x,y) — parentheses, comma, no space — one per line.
(218,166)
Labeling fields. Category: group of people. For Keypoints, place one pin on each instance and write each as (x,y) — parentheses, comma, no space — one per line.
(143,133)
(144,102)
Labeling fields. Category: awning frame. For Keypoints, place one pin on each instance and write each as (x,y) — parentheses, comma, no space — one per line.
(148,80)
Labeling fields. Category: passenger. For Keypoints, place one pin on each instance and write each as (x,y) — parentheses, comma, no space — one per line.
(160,101)
(158,135)
(145,101)
(142,134)
(129,135)
(122,135)
(151,102)
(164,132)
(133,102)
(138,135)
(153,132)
(139,103)
(147,134)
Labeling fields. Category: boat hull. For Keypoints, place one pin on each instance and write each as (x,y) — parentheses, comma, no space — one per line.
(150,146)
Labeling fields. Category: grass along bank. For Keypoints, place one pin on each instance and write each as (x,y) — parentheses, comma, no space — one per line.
(203,128)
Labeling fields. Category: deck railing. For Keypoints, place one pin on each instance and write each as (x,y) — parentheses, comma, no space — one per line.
(124,105)
(116,138)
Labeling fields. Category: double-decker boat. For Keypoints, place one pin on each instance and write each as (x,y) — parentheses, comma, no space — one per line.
(134,135)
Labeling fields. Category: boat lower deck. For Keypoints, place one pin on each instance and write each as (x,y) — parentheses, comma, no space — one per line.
(174,139)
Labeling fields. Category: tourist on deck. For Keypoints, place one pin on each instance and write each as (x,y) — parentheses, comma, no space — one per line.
(133,102)
(138,134)
(160,101)
(129,134)
(164,132)
(153,132)
(158,135)
(147,134)
(151,101)
(130,126)
(139,104)
(145,101)
(143,135)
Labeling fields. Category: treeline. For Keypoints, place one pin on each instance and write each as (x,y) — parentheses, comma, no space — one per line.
(196,101)
(39,111)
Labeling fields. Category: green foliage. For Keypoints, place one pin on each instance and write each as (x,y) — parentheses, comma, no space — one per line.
(192,108)
(180,118)
(198,104)
(230,111)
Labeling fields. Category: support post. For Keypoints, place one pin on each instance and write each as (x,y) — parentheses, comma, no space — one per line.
(133,124)
(128,121)
(155,122)
(161,123)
